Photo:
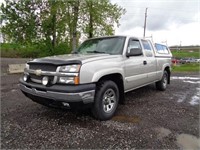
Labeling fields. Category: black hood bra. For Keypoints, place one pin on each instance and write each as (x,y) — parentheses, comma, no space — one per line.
(55,62)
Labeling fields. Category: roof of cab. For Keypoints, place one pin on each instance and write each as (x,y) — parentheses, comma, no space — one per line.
(127,36)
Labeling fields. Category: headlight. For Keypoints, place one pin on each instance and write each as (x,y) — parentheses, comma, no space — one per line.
(70,68)
(69,80)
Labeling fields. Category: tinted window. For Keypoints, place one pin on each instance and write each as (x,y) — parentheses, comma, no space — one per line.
(146,45)
(147,48)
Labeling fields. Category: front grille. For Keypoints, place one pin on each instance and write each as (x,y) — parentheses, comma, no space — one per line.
(43,67)
(38,79)
(33,76)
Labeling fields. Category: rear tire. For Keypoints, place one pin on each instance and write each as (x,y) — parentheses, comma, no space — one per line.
(162,84)
(106,100)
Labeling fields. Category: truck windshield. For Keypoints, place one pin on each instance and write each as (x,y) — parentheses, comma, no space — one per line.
(107,45)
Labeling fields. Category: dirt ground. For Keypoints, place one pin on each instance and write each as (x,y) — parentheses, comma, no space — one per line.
(150,119)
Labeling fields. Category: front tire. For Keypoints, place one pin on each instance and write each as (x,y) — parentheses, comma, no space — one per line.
(106,100)
(162,84)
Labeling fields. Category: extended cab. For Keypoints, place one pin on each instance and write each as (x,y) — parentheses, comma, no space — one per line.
(98,73)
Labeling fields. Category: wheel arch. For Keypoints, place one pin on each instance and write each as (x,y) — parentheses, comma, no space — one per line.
(118,79)
(167,68)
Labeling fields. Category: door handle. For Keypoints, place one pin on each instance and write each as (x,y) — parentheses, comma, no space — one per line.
(145,62)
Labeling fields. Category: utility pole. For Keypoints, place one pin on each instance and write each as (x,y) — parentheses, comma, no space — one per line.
(180,45)
(145,22)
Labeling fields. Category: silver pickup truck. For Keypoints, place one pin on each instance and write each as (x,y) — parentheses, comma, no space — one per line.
(97,74)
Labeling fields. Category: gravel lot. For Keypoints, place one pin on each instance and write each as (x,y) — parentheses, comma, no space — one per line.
(150,119)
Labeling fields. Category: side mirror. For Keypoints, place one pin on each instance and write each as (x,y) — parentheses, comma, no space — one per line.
(134,52)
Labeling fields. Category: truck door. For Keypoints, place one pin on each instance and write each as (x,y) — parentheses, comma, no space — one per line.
(135,73)
(150,67)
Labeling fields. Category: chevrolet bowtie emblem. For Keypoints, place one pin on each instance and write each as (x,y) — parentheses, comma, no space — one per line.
(38,72)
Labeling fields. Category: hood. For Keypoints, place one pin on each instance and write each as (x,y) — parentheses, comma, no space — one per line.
(72,59)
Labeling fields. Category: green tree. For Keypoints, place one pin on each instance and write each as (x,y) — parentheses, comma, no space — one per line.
(99,17)
(54,22)
(51,18)
(72,15)
(19,17)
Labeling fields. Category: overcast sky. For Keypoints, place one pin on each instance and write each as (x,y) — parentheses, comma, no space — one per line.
(174,21)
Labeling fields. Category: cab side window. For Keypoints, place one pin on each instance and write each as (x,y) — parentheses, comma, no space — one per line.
(133,43)
(147,48)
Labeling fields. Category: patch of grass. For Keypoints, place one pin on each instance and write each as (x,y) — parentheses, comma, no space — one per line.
(12,50)
(185,54)
(190,67)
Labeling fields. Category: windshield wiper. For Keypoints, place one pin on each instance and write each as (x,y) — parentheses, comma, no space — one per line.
(95,52)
